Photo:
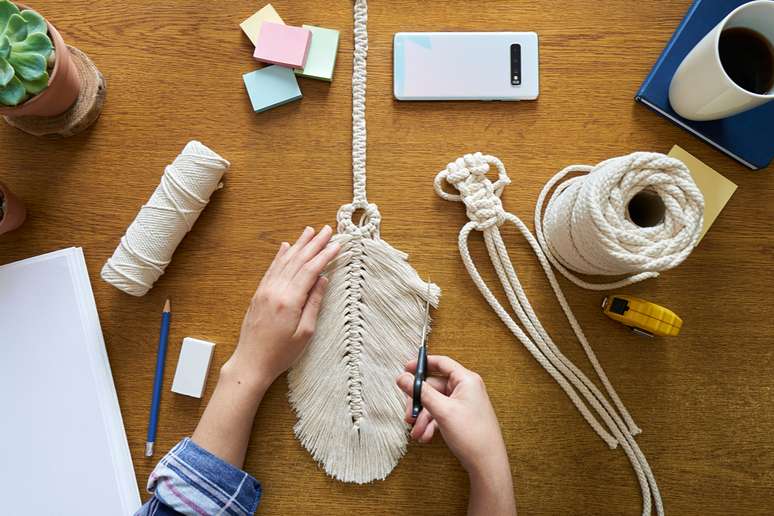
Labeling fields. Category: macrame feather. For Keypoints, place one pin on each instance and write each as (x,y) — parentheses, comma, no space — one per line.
(350,411)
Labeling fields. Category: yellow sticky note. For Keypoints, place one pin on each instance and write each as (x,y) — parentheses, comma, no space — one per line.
(717,189)
(252,26)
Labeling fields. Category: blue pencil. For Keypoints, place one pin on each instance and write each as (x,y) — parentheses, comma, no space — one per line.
(160,359)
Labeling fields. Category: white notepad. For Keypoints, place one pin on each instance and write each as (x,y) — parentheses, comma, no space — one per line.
(63,448)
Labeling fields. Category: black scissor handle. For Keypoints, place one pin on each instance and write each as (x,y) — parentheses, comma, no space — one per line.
(419,377)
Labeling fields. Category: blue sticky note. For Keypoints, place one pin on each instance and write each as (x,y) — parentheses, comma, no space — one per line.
(271,86)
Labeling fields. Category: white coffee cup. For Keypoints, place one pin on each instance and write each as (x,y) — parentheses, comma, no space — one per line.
(701,89)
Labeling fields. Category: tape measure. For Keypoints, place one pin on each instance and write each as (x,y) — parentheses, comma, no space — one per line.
(643,317)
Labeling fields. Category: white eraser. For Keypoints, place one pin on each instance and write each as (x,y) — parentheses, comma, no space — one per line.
(192,367)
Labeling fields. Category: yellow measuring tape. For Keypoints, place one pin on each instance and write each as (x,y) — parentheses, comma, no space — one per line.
(643,317)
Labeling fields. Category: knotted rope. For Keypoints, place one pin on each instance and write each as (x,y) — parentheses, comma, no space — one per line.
(611,421)
(151,239)
(368,225)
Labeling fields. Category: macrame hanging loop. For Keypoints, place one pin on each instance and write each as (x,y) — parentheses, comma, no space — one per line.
(367,226)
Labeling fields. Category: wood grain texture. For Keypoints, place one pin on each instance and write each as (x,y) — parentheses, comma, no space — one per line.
(705,399)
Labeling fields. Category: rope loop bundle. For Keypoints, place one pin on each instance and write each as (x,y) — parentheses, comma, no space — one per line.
(481,196)
(587,228)
(604,412)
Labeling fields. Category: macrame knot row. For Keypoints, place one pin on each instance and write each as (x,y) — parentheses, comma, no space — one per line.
(480,195)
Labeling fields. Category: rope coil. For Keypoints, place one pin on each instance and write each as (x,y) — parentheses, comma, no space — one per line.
(184,191)
(586,226)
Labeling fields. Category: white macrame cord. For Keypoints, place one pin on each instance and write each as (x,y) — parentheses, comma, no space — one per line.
(146,249)
(350,411)
(586,227)
(611,421)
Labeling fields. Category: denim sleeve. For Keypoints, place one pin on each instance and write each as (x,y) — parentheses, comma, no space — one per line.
(189,480)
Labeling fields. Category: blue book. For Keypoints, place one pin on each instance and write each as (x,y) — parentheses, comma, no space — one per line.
(747,137)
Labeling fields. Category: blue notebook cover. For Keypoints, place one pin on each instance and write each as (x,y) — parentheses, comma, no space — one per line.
(747,137)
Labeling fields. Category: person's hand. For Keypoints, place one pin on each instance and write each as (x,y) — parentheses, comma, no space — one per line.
(283,312)
(281,319)
(455,401)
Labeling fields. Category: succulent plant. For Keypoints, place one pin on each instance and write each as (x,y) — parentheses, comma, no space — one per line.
(25,54)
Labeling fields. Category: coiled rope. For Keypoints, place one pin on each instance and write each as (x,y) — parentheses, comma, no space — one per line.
(151,239)
(587,228)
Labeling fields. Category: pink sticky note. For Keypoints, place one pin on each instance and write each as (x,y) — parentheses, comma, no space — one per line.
(283,45)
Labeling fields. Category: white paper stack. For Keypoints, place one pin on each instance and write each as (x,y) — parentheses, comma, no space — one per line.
(63,448)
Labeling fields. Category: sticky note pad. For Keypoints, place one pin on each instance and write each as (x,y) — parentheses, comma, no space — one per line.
(322,54)
(717,190)
(192,367)
(271,86)
(252,26)
(283,45)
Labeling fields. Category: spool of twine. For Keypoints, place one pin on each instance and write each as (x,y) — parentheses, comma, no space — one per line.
(151,239)
(637,214)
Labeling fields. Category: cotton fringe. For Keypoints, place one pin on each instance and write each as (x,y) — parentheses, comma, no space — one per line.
(605,413)
(151,239)
(350,411)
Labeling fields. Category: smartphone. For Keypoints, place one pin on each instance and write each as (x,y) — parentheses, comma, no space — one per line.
(465,66)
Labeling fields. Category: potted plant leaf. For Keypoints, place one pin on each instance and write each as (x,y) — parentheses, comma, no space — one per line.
(12,211)
(46,86)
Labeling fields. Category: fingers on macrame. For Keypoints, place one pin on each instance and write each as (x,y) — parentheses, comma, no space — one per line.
(308,322)
(311,270)
(303,239)
(307,247)
(424,426)
(313,248)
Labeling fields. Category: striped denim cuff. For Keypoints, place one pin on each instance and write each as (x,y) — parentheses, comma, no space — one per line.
(192,481)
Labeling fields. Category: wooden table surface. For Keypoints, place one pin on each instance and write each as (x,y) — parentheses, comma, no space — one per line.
(705,400)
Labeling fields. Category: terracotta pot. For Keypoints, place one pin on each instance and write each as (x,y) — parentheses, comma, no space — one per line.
(13,212)
(64,85)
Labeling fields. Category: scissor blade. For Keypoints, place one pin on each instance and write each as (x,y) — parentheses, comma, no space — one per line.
(427,316)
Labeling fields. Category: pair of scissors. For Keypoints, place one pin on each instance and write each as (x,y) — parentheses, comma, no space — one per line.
(421,372)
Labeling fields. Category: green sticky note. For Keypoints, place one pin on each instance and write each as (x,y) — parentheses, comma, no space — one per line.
(321,58)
